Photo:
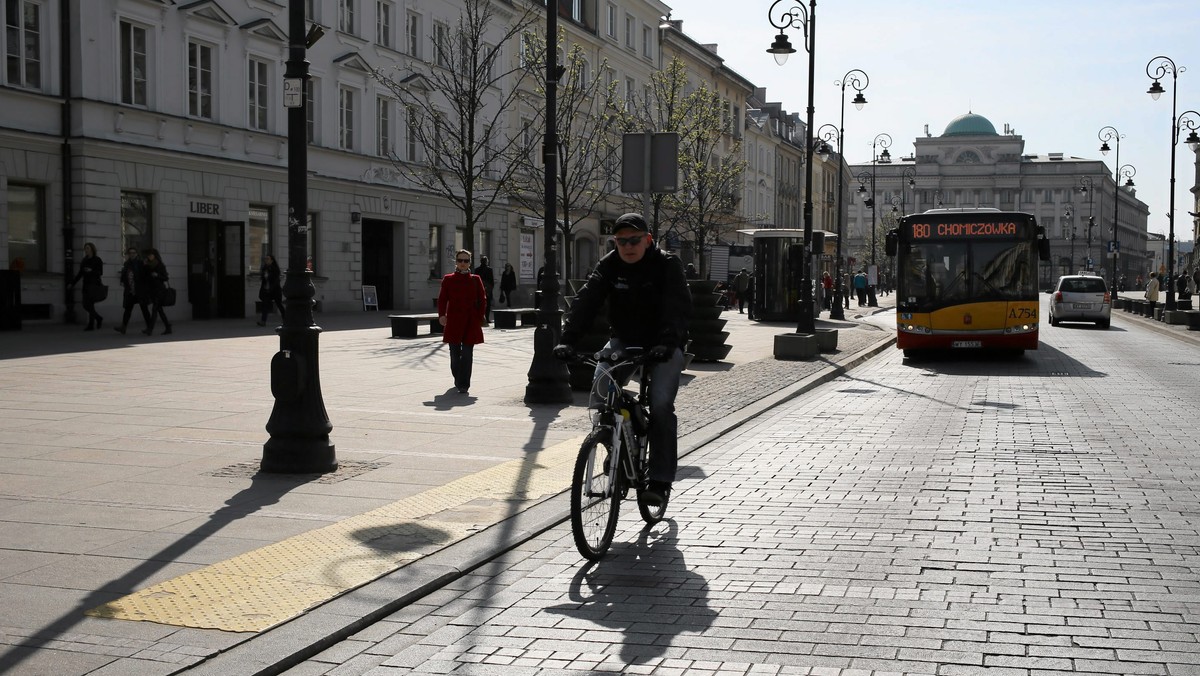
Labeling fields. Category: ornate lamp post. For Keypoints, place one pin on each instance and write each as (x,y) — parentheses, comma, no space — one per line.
(857,80)
(299,426)
(1158,68)
(1069,213)
(806,21)
(907,178)
(1106,134)
(1126,172)
(548,380)
(1085,187)
(884,141)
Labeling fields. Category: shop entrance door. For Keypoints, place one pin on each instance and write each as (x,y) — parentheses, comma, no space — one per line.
(216,275)
(378,257)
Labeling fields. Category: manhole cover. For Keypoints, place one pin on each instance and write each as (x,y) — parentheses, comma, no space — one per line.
(347,469)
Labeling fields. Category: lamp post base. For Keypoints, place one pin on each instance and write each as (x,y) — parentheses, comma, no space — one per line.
(549,382)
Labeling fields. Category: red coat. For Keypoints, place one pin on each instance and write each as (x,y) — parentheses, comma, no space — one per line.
(462,302)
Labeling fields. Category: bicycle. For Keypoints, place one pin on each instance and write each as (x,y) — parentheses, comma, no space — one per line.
(601,480)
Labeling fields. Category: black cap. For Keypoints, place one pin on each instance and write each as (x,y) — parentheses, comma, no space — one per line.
(631,220)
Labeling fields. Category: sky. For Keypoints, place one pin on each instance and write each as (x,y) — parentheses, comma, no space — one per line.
(1057,71)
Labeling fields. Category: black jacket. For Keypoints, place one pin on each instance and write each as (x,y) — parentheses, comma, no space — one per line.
(90,270)
(131,277)
(648,302)
(489,280)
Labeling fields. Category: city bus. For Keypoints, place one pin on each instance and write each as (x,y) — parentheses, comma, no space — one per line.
(967,279)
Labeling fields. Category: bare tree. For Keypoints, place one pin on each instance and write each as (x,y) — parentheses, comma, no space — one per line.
(710,180)
(588,125)
(457,107)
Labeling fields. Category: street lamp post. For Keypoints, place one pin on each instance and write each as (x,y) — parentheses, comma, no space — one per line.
(1069,213)
(1126,172)
(548,380)
(1158,68)
(907,178)
(806,21)
(1106,134)
(299,426)
(857,80)
(1086,187)
(881,140)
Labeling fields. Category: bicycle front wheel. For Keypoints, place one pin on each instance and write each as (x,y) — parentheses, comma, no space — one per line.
(595,498)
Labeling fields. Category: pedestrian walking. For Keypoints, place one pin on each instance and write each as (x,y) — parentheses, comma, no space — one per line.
(270,291)
(1152,291)
(827,290)
(158,286)
(461,306)
(91,268)
(860,287)
(508,284)
(489,285)
(741,284)
(133,295)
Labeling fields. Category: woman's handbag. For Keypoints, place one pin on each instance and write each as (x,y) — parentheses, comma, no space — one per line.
(166,297)
(95,293)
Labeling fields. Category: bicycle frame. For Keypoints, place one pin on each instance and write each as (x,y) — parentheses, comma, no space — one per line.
(616,408)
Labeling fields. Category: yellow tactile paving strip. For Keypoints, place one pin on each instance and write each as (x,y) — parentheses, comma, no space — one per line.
(265,587)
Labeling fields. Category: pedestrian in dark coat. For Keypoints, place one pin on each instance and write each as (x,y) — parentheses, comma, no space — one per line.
(270,292)
(461,306)
(489,283)
(131,278)
(155,282)
(91,268)
(508,284)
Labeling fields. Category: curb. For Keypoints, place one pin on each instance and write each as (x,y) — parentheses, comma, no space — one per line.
(303,637)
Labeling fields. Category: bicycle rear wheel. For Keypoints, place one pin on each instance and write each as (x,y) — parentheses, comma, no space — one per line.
(595,500)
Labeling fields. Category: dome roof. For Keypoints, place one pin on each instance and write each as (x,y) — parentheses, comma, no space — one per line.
(970,125)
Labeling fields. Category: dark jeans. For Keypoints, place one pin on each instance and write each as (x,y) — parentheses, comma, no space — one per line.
(275,300)
(664,424)
(461,358)
(130,302)
(155,314)
(94,318)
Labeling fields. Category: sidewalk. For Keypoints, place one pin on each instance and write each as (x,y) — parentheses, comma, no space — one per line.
(131,488)
(1178,330)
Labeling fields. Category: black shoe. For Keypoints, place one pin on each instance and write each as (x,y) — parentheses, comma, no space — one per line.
(463,390)
(657,493)
(119,329)
(146,332)
(99,322)
(166,331)
(262,323)
(89,328)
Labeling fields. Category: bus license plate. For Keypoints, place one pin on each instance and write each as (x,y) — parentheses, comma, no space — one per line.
(966,343)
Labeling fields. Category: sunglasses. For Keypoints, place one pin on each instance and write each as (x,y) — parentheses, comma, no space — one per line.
(629,241)
(462,260)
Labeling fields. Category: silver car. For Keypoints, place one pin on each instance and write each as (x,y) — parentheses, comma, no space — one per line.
(1081,298)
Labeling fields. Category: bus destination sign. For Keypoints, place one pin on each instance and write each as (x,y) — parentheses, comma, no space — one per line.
(927,230)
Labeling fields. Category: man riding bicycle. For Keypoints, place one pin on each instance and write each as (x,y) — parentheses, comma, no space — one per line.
(648,307)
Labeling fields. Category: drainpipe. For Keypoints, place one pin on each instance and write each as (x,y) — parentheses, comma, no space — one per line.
(68,209)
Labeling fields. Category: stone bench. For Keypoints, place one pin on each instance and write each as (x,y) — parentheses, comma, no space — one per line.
(1192,319)
(408,326)
(507,318)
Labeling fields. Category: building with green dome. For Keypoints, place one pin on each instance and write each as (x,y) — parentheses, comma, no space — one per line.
(971,164)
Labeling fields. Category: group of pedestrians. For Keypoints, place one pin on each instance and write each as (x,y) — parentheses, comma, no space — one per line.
(144,281)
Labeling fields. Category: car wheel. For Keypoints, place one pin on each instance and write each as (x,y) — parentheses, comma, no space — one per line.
(1103,323)
(1053,320)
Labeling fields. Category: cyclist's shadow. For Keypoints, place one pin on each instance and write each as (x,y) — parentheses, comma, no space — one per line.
(645,591)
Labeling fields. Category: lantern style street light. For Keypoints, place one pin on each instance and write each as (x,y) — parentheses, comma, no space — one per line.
(1086,187)
(806,21)
(1106,134)
(881,140)
(1158,68)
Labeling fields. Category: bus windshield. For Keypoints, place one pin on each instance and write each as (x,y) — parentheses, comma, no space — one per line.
(950,271)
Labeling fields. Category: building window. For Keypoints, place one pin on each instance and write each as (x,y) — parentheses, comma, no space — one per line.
(23,38)
(311,239)
(412,34)
(384,11)
(260,236)
(612,21)
(441,44)
(485,245)
(200,80)
(346,118)
(410,134)
(629,25)
(435,252)
(26,227)
(630,92)
(346,16)
(256,95)
(383,127)
(135,221)
(646,49)
(133,64)
(310,10)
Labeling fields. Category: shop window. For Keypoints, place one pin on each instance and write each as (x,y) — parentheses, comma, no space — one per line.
(311,239)
(260,237)
(136,221)
(435,252)
(27,227)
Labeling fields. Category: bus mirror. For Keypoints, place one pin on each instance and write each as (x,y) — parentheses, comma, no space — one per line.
(1043,248)
(889,243)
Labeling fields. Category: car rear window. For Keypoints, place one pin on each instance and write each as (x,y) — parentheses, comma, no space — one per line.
(1084,285)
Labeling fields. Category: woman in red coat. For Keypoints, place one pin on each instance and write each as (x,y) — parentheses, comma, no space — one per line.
(461,306)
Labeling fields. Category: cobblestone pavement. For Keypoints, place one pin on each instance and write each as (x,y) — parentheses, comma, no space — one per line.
(952,516)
